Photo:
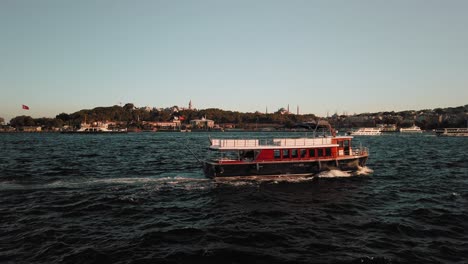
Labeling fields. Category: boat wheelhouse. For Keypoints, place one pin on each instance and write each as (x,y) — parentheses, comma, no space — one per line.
(283,156)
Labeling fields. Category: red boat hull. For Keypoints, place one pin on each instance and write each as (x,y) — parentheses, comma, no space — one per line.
(301,167)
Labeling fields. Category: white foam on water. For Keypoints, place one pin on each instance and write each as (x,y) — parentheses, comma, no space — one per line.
(187,182)
(140,180)
(252,180)
(334,174)
(10,185)
(84,182)
(255,180)
(364,171)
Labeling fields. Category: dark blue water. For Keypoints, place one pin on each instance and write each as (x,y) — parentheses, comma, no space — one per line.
(142,198)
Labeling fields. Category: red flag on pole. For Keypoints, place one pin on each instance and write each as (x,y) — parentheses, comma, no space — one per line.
(25,107)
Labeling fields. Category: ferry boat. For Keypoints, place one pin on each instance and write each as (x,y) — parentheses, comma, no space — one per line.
(452,132)
(411,129)
(283,156)
(367,131)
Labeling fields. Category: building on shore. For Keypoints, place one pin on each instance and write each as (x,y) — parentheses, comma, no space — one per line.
(175,124)
(30,129)
(202,123)
(5,128)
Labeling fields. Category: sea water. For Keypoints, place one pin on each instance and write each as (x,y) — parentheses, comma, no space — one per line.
(143,198)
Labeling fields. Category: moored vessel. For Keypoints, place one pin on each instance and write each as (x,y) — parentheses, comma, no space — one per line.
(411,129)
(367,131)
(304,156)
(388,128)
(94,128)
(452,132)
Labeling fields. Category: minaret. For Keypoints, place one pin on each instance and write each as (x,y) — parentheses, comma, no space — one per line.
(288,108)
(190,105)
(297,110)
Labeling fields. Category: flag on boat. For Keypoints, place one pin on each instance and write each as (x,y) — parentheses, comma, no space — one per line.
(25,107)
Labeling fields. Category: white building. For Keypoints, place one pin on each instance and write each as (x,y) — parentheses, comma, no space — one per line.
(202,123)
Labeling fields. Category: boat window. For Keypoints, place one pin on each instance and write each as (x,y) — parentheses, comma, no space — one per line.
(285,153)
(328,152)
(311,153)
(303,153)
(277,153)
(340,144)
(257,152)
(247,155)
(346,147)
(231,155)
(320,152)
(294,153)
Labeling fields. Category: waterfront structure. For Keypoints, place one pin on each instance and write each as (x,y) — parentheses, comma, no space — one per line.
(30,129)
(202,123)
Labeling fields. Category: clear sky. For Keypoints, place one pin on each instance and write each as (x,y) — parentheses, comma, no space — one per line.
(340,56)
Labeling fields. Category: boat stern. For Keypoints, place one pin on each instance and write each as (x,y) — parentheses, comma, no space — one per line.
(209,170)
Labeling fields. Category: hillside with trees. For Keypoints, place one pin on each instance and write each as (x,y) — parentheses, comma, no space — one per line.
(131,116)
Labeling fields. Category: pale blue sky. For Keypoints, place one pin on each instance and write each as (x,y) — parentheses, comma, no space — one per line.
(325,56)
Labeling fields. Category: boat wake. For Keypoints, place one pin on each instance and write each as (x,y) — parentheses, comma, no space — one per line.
(362,171)
(144,180)
(86,182)
(184,181)
(334,174)
(252,180)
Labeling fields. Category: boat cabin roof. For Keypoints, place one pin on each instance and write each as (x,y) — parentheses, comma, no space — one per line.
(276,143)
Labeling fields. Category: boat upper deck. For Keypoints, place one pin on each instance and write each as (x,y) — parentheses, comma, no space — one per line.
(275,143)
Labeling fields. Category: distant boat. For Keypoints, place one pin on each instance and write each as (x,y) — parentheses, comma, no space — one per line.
(367,131)
(389,128)
(94,128)
(411,129)
(452,132)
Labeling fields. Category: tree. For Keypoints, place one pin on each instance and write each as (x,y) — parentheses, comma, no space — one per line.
(49,123)
(21,121)
(64,117)
(129,107)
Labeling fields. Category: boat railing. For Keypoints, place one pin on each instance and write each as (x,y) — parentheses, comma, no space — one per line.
(292,142)
(235,142)
(284,142)
(360,151)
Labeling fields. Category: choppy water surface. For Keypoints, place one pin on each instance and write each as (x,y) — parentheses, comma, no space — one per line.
(142,198)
